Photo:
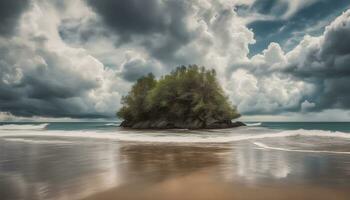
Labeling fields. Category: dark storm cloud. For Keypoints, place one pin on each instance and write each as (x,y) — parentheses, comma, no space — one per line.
(39,82)
(10,11)
(158,25)
(140,17)
(78,31)
(337,41)
(134,69)
(326,64)
(131,16)
(28,107)
(280,29)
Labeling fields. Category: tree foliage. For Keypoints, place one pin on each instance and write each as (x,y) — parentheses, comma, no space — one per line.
(187,93)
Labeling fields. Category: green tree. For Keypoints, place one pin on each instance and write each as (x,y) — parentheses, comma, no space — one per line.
(187,93)
(134,104)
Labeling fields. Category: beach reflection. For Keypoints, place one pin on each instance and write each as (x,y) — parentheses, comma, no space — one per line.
(226,171)
(72,169)
(61,171)
(159,162)
(252,165)
(242,163)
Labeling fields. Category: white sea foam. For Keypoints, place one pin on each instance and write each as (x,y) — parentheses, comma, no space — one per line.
(171,137)
(37,141)
(112,124)
(264,146)
(23,126)
(253,124)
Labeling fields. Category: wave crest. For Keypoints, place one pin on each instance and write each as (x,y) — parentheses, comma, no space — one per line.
(112,124)
(23,126)
(264,146)
(23,140)
(253,124)
(171,137)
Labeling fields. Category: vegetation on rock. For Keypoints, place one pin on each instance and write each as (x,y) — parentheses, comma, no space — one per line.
(188,97)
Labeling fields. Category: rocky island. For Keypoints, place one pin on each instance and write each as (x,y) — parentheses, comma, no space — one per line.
(189,97)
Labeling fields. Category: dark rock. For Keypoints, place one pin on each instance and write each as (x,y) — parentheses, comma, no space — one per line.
(238,124)
(188,124)
(125,124)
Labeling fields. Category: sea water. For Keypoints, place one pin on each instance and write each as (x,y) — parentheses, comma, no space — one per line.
(61,160)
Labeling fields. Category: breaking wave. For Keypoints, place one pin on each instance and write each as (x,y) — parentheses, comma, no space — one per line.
(112,124)
(264,146)
(253,124)
(23,126)
(173,137)
(23,140)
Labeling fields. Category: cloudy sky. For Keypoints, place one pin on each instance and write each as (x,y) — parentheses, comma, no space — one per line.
(276,59)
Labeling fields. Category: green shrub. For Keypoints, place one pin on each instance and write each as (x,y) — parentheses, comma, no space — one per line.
(186,93)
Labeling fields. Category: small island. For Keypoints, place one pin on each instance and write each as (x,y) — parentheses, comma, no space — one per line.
(187,98)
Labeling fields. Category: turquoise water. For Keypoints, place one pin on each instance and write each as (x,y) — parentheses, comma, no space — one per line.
(326,126)
(111,131)
(69,126)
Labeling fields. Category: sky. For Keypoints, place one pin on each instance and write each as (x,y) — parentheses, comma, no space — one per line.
(277,60)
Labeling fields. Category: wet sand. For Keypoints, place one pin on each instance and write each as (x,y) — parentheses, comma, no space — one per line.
(157,172)
(200,186)
(75,168)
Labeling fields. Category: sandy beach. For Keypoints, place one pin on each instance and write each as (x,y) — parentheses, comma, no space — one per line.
(160,172)
(201,186)
(109,163)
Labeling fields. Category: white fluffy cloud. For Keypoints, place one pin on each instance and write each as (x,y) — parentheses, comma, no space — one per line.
(311,77)
(76,59)
(42,75)
(266,94)
(324,62)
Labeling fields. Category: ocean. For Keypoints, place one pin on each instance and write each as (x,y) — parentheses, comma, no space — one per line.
(77,160)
